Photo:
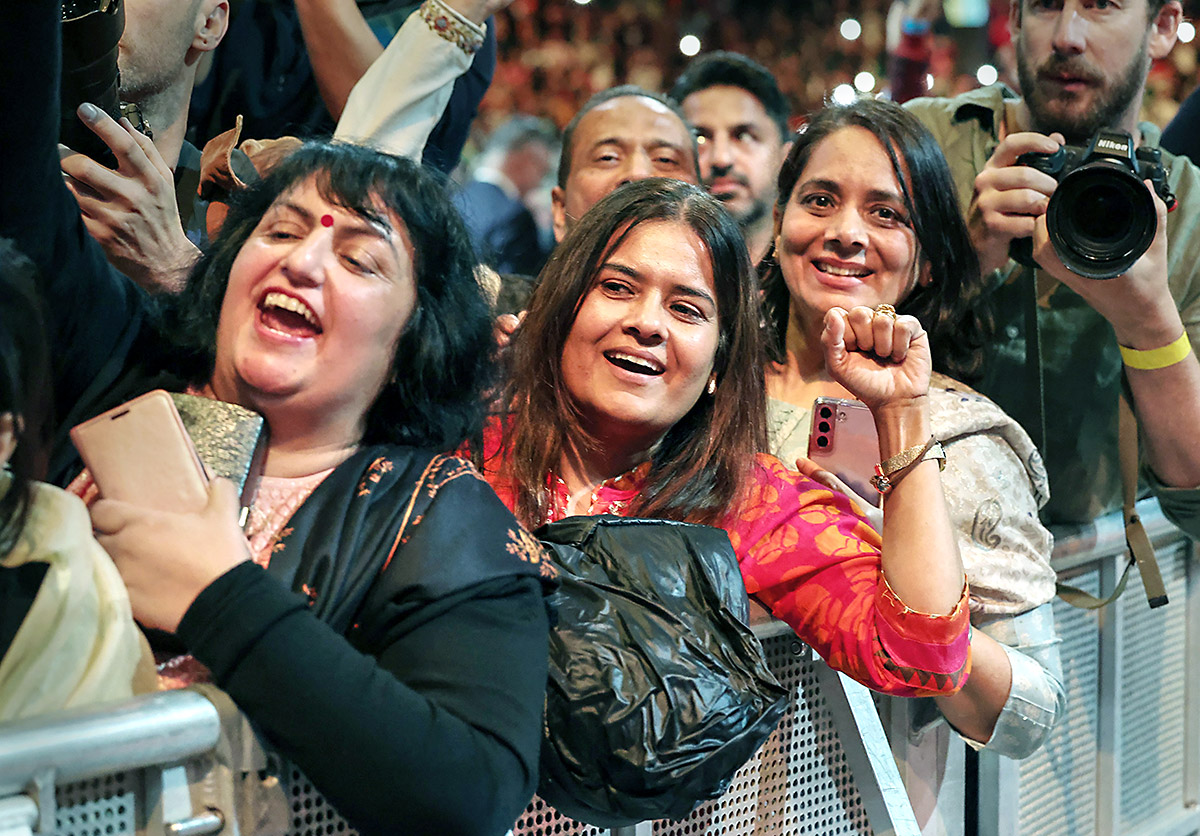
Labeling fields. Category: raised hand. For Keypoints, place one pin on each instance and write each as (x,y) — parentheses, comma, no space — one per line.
(880,357)
(131,212)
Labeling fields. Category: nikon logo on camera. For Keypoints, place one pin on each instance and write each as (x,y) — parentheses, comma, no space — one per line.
(1100,218)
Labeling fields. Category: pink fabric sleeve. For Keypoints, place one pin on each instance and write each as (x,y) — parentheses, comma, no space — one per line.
(807,554)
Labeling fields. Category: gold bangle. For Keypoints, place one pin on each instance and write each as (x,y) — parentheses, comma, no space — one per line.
(891,471)
(1157,358)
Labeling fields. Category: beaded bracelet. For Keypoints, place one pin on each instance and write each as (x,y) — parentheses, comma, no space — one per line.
(449,24)
(1157,358)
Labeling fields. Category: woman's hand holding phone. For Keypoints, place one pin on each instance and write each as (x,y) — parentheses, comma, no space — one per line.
(167,558)
(871,513)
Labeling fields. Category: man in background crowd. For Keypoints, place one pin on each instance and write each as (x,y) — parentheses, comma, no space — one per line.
(1083,66)
(146,215)
(619,135)
(741,121)
(516,160)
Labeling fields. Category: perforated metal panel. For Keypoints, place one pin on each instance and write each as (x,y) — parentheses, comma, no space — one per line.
(1058,782)
(543,820)
(798,782)
(103,806)
(1152,697)
(312,815)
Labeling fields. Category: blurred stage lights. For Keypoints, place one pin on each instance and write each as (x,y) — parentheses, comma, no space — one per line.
(844,94)
(987,75)
(851,29)
(1187,32)
(582,2)
(864,82)
(689,45)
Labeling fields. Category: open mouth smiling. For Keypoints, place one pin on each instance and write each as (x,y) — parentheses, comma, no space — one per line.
(635,363)
(288,315)
(842,271)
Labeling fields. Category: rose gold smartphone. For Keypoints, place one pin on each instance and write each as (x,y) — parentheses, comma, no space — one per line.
(844,442)
(139,452)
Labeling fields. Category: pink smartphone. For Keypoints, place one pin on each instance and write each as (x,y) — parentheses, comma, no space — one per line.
(139,452)
(843,441)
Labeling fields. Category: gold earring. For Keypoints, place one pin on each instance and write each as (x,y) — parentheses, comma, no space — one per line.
(712,385)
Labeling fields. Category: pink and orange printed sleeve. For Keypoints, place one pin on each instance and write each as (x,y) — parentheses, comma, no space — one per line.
(807,554)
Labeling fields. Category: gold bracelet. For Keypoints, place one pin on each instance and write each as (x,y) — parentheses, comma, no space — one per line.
(449,24)
(890,471)
(1157,358)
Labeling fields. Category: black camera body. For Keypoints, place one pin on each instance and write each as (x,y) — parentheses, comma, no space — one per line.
(91,30)
(1100,218)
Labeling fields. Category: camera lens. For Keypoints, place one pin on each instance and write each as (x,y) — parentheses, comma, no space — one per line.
(1101,219)
(822,441)
(823,426)
(825,412)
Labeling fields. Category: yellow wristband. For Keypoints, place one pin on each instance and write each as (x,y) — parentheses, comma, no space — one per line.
(1157,358)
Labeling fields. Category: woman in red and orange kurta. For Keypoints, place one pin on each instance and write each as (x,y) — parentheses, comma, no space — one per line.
(636,390)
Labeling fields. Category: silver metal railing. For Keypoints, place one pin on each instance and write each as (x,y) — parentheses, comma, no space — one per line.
(1125,759)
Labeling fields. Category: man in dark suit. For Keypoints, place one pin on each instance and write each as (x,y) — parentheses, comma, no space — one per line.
(516,161)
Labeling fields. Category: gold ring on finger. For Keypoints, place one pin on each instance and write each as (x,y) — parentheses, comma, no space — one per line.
(886,310)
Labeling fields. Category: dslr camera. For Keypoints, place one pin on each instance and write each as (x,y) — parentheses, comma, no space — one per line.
(1100,217)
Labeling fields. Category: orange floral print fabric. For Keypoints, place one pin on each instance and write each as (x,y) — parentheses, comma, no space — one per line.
(808,555)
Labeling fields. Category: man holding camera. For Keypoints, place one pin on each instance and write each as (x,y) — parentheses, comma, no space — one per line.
(133,211)
(1083,67)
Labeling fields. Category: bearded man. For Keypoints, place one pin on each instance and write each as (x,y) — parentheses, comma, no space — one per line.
(741,121)
(1082,67)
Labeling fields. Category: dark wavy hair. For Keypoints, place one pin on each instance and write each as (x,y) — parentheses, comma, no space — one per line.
(441,363)
(952,307)
(699,470)
(24,387)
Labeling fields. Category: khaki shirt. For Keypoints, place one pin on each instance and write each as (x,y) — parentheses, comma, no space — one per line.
(1081,365)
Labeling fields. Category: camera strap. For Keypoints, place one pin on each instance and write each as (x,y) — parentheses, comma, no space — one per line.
(1141,550)
(1033,357)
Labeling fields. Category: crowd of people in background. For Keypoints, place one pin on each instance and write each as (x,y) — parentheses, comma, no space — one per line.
(553,55)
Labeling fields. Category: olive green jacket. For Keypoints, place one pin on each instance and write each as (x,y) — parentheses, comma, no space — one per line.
(1081,365)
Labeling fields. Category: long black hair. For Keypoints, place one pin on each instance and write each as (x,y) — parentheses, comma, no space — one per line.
(24,386)
(699,470)
(433,396)
(952,307)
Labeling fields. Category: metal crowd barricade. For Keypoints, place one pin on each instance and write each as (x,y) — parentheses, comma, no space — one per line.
(145,768)
(1126,757)
(121,769)
(1124,760)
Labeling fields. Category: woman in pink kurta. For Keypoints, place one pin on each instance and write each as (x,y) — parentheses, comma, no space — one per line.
(637,390)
